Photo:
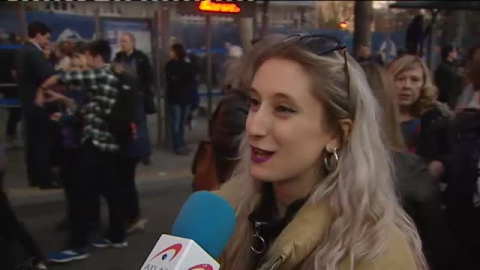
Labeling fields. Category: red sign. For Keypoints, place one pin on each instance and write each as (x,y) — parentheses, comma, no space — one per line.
(208,6)
(343,25)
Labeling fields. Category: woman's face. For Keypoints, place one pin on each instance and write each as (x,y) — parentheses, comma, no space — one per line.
(408,86)
(285,124)
(79,62)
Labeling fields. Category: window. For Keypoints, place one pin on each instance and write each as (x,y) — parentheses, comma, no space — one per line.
(60,7)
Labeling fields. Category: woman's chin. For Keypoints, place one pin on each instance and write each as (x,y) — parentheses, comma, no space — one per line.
(263,177)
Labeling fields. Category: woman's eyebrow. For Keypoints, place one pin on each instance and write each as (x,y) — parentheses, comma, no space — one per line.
(252,90)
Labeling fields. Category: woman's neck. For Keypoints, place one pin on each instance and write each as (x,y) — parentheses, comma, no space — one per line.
(405,114)
(288,191)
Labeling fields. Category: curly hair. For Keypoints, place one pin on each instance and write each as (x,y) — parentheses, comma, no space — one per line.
(428,93)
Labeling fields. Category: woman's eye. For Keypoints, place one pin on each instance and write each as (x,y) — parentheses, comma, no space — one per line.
(254,103)
(415,79)
(284,109)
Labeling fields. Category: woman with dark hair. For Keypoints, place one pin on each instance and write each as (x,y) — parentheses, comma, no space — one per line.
(180,76)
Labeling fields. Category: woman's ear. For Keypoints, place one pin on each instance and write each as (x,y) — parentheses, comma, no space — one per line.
(341,136)
(346,126)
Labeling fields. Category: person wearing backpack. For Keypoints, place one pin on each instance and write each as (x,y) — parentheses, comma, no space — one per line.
(133,149)
(137,63)
(98,160)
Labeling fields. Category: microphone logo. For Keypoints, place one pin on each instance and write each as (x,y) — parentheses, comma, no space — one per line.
(164,254)
(201,267)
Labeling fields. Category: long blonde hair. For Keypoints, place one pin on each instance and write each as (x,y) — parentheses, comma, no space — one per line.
(359,193)
(428,93)
(239,72)
(383,89)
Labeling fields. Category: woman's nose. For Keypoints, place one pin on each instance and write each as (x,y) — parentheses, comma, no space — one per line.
(258,123)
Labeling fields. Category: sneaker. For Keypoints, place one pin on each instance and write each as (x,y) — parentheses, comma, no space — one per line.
(105,243)
(68,255)
(40,266)
(138,225)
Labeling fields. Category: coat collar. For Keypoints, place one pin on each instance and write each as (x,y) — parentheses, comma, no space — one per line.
(299,238)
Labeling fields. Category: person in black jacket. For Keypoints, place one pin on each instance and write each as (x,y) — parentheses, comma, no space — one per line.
(180,75)
(137,63)
(415,36)
(447,79)
(462,194)
(418,191)
(32,69)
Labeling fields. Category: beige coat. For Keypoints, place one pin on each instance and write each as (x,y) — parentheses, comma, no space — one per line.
(305,233)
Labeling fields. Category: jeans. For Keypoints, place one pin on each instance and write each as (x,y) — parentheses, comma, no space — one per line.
(177,125)
(97,173)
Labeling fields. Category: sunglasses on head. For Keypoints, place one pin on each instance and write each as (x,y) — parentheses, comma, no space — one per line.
(322,45)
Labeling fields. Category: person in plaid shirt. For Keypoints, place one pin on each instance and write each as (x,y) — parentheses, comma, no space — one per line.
(101,86)
(97,168)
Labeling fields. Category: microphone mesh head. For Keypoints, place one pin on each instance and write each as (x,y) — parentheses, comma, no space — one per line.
(207,219)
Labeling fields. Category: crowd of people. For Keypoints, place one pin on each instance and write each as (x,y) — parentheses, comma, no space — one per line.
(87,115)
(330,162)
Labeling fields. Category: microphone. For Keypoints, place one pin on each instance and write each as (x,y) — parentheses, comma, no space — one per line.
(200,233)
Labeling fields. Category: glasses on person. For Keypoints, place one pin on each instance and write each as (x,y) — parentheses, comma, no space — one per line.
(322,45)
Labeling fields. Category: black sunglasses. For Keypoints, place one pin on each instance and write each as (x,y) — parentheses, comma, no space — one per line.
(322,45)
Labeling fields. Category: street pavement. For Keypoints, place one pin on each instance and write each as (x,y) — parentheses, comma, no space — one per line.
(160,202)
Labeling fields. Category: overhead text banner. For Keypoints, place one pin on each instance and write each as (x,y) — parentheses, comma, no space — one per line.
(217,8)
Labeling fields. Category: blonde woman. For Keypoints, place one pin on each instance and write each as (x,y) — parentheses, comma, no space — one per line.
(423,120)
(419,192)
(314,187)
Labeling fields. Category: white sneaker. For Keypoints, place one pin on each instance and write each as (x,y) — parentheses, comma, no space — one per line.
(139,225)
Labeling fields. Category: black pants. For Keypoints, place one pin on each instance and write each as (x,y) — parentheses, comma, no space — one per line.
(464,222)
(14,117)
(128,166)
(38,140)
(69,161)
(14,114)
(13,232)
(97,173)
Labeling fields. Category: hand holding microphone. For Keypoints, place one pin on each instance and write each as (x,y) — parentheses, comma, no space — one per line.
(200,233)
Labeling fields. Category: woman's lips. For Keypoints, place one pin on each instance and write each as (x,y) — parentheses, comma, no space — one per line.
(260,156)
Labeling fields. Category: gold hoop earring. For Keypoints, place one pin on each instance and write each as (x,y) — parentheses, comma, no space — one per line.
(331,160)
